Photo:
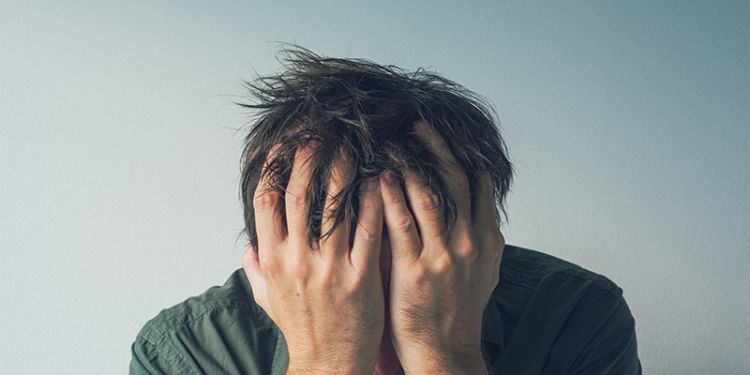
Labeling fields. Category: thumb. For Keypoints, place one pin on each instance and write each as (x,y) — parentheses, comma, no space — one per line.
(251,265)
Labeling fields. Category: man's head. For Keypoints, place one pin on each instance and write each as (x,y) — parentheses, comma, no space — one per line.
(363,112)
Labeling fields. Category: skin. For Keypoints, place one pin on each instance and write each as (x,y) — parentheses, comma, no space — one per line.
(405,285)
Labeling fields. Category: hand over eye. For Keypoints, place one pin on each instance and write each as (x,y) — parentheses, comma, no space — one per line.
(440,282)
(328,304)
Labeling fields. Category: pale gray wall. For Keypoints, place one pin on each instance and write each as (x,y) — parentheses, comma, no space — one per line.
(627,122)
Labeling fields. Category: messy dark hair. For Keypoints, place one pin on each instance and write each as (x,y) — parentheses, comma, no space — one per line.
(363,112)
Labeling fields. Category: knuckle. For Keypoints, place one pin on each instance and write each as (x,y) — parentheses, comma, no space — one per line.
(359,284)
(295,198)
(420,275)
(326,283)
(301,275)
(370,202)
(466,252)
(443,265)
(299,270)
(367,234)
(327,277)
(428,201)
(356,286)
(394,199)
(329,211)
(465,246)
(404,223)
(265,200)
(268,266)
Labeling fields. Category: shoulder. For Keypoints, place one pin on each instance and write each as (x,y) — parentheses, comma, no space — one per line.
(521,263)
(532,272)
(584,314)
(539,279)
(232,295)
(204,330)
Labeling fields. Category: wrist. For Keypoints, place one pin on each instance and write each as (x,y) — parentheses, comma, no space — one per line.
(324,369)
(434,363)
(326,365)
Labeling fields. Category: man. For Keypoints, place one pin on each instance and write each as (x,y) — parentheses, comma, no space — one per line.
(371,199)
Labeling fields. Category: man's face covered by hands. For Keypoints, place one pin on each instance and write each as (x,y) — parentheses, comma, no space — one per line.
(403,292)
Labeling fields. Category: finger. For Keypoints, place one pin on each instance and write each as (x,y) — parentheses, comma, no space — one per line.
(385,262)
(484,210)
(400,224)
(365,254)
(452,173)
(426,207)
(335,246)
(251,265)
(297,205)
(488,233)
(269,221)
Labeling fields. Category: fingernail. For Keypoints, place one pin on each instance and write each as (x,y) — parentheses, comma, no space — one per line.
(370,184)
(421,126)
(388,177)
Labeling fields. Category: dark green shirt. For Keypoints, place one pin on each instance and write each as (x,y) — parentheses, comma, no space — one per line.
(546,316)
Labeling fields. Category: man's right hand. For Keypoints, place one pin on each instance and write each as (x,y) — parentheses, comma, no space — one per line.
(328,304)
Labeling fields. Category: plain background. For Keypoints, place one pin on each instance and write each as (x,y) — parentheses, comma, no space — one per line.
(627,122)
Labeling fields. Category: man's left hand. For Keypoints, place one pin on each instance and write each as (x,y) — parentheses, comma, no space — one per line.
(440,281)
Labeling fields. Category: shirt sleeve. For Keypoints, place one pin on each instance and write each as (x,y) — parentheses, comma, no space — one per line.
(228,338)
(145,360)
(613,349)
